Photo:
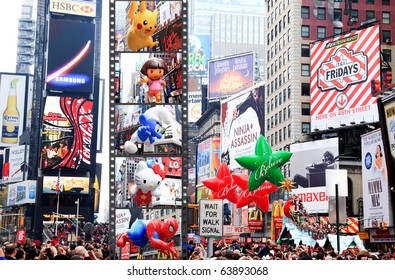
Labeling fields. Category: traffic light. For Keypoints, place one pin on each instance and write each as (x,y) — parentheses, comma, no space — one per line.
(193,215)
(387,78)
(383,225)
(374,86)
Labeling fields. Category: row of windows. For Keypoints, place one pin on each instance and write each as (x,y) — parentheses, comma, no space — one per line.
(320,13)
(278,100)
(321,33)
(279,135)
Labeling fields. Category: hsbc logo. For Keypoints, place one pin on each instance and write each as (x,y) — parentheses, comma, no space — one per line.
(343,69)
(313,197)
(86,9)
(73,8)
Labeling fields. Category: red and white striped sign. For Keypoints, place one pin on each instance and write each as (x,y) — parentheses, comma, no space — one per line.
(353,224)
(341,72)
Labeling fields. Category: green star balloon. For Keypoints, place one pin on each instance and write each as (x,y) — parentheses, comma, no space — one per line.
(264,164)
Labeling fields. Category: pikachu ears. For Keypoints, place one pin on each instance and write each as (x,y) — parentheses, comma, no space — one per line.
(134,7)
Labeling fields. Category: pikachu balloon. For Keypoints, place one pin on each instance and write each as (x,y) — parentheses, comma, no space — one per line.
(143,26)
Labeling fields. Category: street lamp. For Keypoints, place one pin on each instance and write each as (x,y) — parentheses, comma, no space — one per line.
(78,210)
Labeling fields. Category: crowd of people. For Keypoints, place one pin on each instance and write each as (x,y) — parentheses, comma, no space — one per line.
(273,251)
(89,246)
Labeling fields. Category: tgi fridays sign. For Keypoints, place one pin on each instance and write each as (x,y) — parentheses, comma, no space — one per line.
(342,69)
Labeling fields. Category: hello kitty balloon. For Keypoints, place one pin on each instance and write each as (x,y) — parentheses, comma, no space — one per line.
(147,180)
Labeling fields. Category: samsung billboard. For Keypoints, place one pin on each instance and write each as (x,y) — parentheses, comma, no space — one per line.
(70,68)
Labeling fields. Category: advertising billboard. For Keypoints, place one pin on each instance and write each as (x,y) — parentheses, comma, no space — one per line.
(315,200)
(13,93)
(169,36)
(122,220)
(203,160)
(199,52)
(173,166)
(13,163)
(194,106)
(71,68)
(66,133)
(242,121)
(21,193)
(230,75)
(377,205)
(68,185)
(342,69)
(310,160)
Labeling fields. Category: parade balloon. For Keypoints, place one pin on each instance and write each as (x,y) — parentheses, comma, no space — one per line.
(260,196)
(288,207)
(264,164)
(222,186)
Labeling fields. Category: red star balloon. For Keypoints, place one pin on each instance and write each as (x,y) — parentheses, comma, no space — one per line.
(260,196)
(222,186)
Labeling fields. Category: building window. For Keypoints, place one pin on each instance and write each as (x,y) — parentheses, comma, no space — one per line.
(276,119)
(271,104)
(354,14)
(280,117)
(386,36)
(321,32)
(268,124)
(305,12)
(285,95)
(284,114)
(280,98)
(271,122)
(284,133)
(306,70)
(275,137)
(268,107)
(387,55)
(289,111)
(321,13)
(305,127)
(280,135)
(337,14)
(280,80)
(305,51)
(370,2)
(369,15)
(386,18)
(289,131)
(305,31)
(289,92)
(386,2)
(337,31)
(305,89)
(306,109)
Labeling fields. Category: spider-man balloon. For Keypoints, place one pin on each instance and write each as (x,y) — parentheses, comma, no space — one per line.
(154,231)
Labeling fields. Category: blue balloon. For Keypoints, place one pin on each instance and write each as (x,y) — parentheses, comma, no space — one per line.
(137,233)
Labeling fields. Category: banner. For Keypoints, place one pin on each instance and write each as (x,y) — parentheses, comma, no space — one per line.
(199,52)
(310,160)
(13,94)
(68,185)
(242,121)
(122,220)
(230,75)
(203,160)
(342,69)
(14,163)
(377,206)
(21,193)
(66,133)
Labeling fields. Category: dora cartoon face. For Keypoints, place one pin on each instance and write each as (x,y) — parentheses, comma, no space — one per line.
(155,74)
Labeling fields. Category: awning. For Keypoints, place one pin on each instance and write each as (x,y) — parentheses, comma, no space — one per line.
(298,235)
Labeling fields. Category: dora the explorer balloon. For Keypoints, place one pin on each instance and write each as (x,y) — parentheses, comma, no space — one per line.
(154,69)
(143,25)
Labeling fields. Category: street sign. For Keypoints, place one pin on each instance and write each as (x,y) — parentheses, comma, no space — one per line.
(211,217)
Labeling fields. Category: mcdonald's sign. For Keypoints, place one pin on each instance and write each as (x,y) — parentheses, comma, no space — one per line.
(255,220)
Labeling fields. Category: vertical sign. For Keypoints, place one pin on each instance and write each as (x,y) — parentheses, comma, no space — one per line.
(376,194)
(211,217)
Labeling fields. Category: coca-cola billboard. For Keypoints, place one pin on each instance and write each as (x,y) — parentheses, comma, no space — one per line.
(66,133)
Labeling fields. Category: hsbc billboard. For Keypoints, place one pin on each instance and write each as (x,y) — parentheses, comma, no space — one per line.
(342,69)
(78,8)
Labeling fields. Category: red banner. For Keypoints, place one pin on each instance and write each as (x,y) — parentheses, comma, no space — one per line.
(21,235)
